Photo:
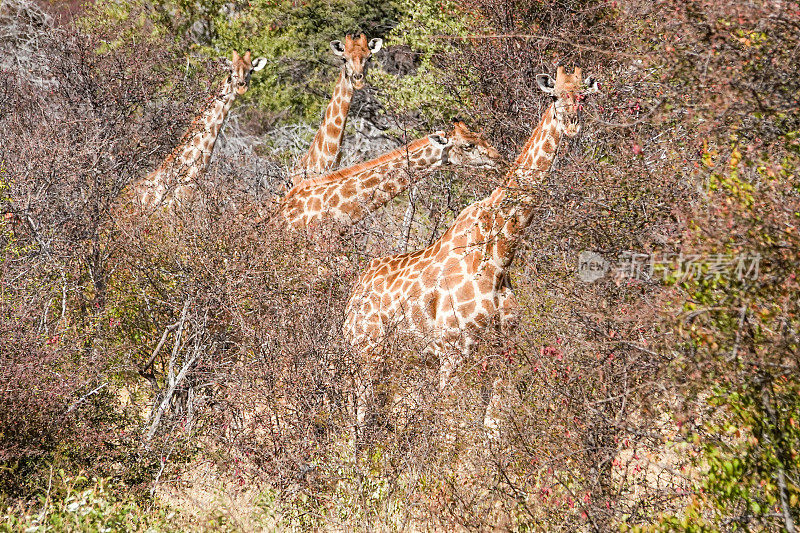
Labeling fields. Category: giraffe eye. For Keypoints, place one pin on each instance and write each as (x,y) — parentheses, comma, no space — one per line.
(469,146)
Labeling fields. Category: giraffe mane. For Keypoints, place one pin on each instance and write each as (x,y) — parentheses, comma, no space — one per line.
(197,121)
(528,145)
(361,167)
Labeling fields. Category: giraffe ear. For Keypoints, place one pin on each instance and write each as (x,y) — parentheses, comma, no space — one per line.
(375,45)
(546,83)
(591,84)
(439,139)
(259,63)
(338,48)
(235,56)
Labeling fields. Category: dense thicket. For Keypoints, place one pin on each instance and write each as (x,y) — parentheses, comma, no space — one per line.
(182,354)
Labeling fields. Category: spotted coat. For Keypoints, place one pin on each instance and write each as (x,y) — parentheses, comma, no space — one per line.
(447,293)
(324,153)
(347,196)
(178,173)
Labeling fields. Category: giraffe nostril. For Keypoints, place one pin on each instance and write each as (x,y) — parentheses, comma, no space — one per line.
(358,76)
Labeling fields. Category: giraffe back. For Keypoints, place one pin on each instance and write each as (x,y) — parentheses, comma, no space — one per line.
(347,195)
(444,291)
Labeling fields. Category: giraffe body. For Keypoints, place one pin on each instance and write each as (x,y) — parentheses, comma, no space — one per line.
(179,172)
(447,293)
(324,154)
(347,196)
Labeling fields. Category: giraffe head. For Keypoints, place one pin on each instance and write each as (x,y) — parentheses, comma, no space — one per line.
(468,148)
(355,54)
(242,67)
(568,91)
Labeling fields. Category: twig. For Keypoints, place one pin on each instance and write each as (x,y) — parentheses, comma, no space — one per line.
(173,380)
(63,300)
(640,348)
(159,345)
(641,119)
(163,460)
(83,398)
(529,36)
(735,350)
(47,497)
(171,391)
(176,346)
(408,216)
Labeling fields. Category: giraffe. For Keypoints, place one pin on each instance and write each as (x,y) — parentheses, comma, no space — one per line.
(178,172)
(324,155)
(347,196)
(450,291)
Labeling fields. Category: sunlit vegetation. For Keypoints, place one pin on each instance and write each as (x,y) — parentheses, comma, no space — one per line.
(185,369)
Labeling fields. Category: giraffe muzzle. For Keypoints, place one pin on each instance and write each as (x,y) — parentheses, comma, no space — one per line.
(572,124)
(358,80)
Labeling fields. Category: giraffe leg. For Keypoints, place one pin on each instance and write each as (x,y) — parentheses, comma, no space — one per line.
(453,349)
(493,391)
(363,391)
(507,306)
(365,397)
(493,398)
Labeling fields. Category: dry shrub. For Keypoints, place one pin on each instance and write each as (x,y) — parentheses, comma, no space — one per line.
(74,138)
(595,395)
(45,405)
(224,330)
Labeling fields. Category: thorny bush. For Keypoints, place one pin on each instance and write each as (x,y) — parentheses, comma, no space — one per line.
(618,403)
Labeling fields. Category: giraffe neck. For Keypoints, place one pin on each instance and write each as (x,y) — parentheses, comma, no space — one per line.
(324,152)
(193,153)
(505,214)
(198,144)
(415,155)
(537,155)
(352,193)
